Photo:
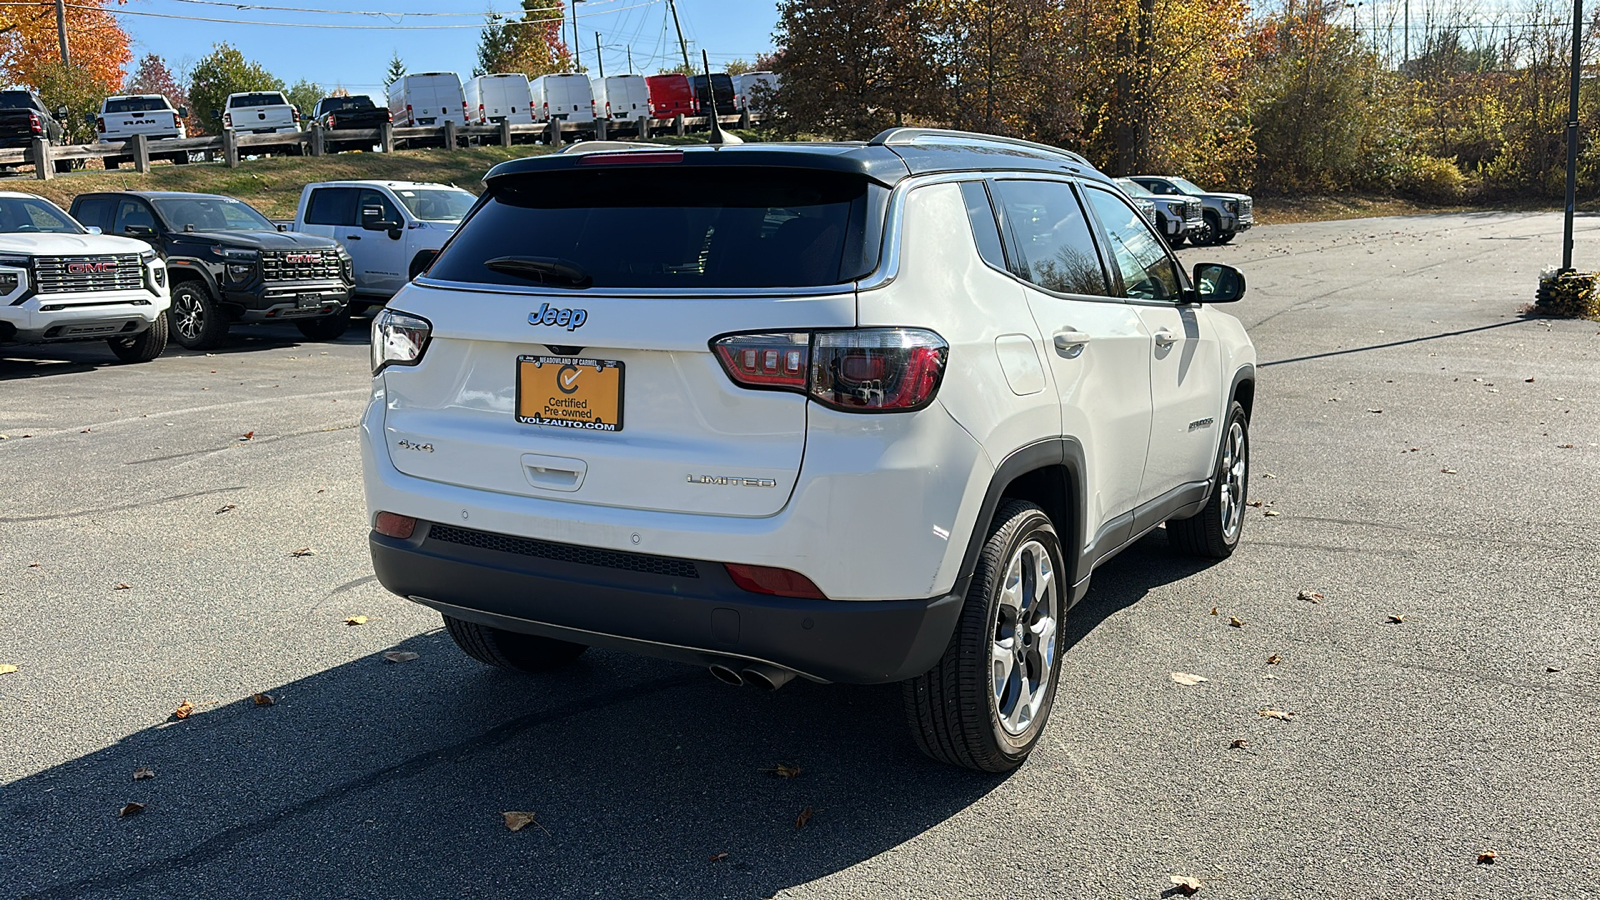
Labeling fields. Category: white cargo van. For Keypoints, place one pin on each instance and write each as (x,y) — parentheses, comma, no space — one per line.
(427,99)
(621,98)
(754,90)
(565,97)
(493,98)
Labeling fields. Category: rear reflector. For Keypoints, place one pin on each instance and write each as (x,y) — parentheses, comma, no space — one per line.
(394,525)
(632,158)
(777,582)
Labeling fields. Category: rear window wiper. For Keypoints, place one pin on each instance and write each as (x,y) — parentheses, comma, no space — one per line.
(543,269)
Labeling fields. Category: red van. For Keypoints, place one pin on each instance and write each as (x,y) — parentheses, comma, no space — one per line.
(671,95)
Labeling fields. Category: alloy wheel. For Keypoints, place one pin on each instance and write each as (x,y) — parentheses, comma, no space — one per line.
(1022,655)
(188,315)
(1235,469)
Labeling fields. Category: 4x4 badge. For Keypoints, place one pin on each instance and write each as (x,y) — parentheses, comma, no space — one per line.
(569,318)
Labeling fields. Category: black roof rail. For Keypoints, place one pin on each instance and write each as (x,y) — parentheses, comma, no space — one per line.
(892,136)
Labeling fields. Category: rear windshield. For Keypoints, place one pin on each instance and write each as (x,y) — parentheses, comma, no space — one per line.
(257,100)
(333,104)
(665,227)
(135,104)
(16,100)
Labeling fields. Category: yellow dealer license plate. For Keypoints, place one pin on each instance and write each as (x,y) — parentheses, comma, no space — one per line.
(570,392)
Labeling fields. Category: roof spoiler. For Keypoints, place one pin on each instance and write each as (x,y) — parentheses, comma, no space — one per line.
(903,136)
(611,147)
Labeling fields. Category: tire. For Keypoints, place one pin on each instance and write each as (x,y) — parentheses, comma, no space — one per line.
(1213,228)
(509,649)
(144,346)
(180,159)
(325,328)
(111,163)
(1224,237)
(1214,531)
(954,713)
(1174,240)
(63,166)
(194,320)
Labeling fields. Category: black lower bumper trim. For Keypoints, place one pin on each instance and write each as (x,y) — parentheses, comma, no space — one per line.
(701,619)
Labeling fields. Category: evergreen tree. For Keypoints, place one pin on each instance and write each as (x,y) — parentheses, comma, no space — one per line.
(397,70)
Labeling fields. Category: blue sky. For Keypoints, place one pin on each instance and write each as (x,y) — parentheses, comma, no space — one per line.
(356,58)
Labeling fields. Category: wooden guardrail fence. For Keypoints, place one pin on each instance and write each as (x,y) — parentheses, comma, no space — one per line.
(47,159)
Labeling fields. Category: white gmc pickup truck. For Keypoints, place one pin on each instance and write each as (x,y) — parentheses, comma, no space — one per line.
(62,282)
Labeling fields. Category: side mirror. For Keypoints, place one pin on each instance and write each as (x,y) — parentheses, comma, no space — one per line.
(283,226)
(61,112)
(1217,283)
(377,223)
(183,112)
(138,231)
(216,114)
(94,229)
(420,265)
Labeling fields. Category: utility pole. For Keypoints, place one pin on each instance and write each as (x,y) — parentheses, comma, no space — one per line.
(1405,53)
(61,28)
(672,5)
(630,59)
(577,53)
(599,55)
(1572,132)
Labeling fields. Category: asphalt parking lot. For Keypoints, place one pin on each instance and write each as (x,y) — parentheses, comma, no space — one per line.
(1422,451)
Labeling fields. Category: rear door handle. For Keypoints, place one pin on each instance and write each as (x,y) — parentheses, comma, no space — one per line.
(1164,338)
(352,237)
(1069,342)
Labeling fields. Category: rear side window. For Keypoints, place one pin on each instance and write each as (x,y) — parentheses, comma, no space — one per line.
(984,229)
(1051,237)
(670,227)
(332,206)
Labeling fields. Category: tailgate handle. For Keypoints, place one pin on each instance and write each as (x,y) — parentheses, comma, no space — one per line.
(554,473)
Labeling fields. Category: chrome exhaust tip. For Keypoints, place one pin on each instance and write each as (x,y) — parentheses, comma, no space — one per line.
(768,678)
(726,675)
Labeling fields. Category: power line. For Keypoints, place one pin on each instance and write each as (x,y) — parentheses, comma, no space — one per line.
(171,16)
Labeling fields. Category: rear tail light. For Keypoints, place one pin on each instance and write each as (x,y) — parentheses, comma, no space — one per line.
(227,120)
(777,582)
(398,339)
(175,120)
(100,125)
(34,123)
(296,114)
(856,370)
(394,525)
(409,119)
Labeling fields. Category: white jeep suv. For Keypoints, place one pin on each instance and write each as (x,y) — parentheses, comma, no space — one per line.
(863,412)
(61,282)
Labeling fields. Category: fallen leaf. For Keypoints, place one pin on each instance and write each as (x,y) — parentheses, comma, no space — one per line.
(33,565)
(226,508)
(1278,714)
(1274,659)
(516,821)
(132,809)
(183,710)
(804,817)
(303,551)
(143,772)
(263,699)
(1270,512)
(123,586)
(85,431)
(248,435)
(1254,503)
(1268,475)
(1447,471)
(1213,610)
(784,770)
(1238,744)
(1187,679)
(1312,596)
(1527,381)
(7,669)
(398,656)
(1487,857)
(1563,446)
(1186,885)
(1235,622)
(1374,410)
(1396,620)
(356,620)
(719,857)
(1548,669)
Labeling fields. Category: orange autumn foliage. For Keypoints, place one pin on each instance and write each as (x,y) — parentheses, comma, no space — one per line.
(29,44)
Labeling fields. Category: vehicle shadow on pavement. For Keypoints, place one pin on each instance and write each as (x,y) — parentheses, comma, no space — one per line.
(1148,564)
(378,778)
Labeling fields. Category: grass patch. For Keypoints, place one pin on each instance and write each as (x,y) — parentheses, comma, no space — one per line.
(1316,208)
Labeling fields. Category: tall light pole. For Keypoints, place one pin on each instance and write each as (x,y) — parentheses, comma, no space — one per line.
(577,56)
(682,45)
(61,29)
(1572,132)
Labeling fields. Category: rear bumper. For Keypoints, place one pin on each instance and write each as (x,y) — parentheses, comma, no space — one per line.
(686,610)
